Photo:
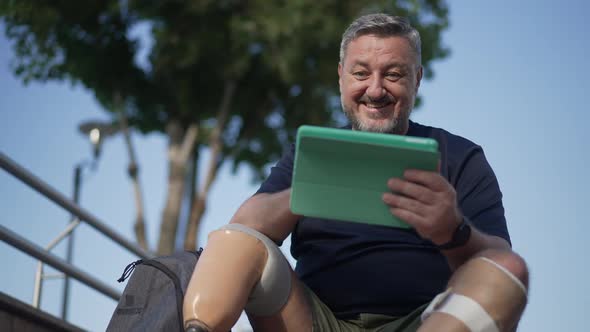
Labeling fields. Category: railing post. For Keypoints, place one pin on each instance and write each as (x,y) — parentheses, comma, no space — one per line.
(38,285)
(39,275)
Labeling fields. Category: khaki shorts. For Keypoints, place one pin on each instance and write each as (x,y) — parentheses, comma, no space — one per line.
(325,321)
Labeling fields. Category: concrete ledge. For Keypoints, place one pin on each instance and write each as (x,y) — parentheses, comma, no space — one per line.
(17,316)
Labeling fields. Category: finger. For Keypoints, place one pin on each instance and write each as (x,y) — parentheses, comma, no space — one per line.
(405,203)
(411,189)
(408,217)
(431,180)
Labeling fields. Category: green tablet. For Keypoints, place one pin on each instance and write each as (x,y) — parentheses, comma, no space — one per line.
(342,174)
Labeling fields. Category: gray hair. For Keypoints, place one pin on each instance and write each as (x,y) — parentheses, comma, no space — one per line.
(381,25)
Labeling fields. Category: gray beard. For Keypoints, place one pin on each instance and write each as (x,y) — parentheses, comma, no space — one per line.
(391,127)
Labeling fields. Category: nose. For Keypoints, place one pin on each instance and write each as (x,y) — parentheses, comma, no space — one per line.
(375,90)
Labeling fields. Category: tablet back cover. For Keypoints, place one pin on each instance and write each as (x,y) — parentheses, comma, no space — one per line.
(342,174)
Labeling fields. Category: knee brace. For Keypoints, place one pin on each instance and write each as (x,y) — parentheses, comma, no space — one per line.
(489,300)
(240,268)
(272,291)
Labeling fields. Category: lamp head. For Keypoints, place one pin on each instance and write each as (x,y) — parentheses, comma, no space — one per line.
(97,131)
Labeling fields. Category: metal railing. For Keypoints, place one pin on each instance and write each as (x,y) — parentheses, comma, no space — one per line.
(43,254)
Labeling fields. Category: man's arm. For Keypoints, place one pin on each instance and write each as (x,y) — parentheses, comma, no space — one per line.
(269,214)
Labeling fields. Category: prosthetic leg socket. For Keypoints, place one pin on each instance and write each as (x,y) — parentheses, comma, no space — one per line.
(240,268)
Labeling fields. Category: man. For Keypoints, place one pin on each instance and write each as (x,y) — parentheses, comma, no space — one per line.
(359,277)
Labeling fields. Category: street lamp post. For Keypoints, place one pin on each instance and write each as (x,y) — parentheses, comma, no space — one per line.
(70,241)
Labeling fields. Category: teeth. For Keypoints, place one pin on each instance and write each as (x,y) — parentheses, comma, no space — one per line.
(376,105)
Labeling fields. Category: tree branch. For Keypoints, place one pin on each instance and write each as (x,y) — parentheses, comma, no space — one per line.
(182,143)
(133,172)
(216,146)
(188,144)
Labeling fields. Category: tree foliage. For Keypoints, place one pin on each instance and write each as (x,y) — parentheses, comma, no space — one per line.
(271,65)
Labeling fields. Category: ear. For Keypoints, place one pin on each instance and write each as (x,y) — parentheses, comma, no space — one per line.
(339,74)
(419,74)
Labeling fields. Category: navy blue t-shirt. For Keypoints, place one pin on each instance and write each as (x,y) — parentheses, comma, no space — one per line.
(358,268)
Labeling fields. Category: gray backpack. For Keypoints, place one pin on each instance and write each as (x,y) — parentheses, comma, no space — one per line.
(153,297)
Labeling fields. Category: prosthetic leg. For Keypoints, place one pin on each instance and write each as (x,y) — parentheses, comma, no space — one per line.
(483,295)
(239,269)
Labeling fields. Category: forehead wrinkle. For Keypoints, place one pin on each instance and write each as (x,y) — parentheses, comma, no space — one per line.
(387,66)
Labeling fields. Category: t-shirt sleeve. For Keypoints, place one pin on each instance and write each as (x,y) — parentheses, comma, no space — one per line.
(280,174)
(479,195)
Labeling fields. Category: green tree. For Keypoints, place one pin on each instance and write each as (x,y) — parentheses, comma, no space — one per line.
(237,77)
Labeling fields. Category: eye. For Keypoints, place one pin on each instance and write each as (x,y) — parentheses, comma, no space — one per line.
(360,75)
(393,76)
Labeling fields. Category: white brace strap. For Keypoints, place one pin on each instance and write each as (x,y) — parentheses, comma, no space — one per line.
(463,308)
(503,269)
(467,310)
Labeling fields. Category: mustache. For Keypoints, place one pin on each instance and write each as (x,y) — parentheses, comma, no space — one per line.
(386,99)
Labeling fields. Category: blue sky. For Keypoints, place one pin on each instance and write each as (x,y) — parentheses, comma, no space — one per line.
(515,83)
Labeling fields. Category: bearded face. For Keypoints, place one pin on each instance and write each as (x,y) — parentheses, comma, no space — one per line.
(379,78)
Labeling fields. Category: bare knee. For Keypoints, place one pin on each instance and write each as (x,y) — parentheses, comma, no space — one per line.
(511,261)
(487,293)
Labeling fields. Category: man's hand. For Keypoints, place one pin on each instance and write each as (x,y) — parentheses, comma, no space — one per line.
(427,202)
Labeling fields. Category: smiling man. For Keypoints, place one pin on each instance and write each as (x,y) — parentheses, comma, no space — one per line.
(379,79)
(453,271)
